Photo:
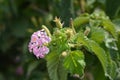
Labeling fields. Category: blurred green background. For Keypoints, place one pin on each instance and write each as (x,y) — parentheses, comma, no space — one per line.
(20,18)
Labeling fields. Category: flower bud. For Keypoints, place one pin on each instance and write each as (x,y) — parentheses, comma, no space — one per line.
(58,22)
(64,53)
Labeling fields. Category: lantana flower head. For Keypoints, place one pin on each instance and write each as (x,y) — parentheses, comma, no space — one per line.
(38,42)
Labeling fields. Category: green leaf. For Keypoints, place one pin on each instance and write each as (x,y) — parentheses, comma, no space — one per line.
(74,62)
(111,70)
(108,65)
(100,53)
(83,19)
(98,72)
(109,26)
(54,59)
(97,34)
(117,23)
(94,47)
(82,39)
(55,68)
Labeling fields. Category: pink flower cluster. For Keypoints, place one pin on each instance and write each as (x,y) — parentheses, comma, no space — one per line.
(37,43)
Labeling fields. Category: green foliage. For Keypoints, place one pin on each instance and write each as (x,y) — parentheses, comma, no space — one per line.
(109,26)
(59,41)
(103,56)
(91,37)
(55,67)
(97,34)
(99,52)
(106,62)
(54,59)
(82,19)
(74,62)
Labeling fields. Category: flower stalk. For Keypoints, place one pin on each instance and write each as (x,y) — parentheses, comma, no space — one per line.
(47,30)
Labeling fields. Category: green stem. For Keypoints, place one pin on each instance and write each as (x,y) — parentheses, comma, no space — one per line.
(71,24)
(82,5)
(47,30)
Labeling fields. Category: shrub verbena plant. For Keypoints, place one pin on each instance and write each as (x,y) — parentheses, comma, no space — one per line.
(90,39)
